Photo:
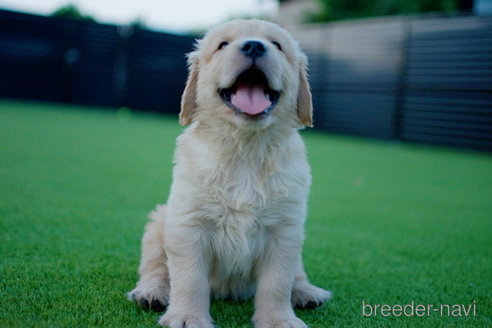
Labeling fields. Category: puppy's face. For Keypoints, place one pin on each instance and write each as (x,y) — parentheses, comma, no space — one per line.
(249,73)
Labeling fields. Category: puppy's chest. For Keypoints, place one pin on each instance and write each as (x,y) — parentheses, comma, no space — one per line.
(245,188)
(237,243)
(239,199)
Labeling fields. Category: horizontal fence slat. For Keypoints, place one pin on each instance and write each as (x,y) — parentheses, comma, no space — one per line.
(465,43)
(445,130)
(459,118)
(475,112)
(430,137)
(451,71)
(451,57)
(450,65)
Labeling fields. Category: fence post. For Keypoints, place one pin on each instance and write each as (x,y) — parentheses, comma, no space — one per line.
(402,80)
(321,77)
(120,77)
(70,58)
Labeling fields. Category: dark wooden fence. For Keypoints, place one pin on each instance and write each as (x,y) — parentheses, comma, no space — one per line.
(412,79)
(77,62)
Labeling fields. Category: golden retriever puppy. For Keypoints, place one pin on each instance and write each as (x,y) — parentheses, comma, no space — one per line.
(233,223)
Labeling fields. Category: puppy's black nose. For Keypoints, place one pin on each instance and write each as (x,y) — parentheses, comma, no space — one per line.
(253,49)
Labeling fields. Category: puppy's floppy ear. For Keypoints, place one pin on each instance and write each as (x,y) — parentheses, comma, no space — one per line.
(304,98)
(188,99)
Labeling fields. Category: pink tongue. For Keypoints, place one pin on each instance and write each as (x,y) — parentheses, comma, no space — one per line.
(250,99)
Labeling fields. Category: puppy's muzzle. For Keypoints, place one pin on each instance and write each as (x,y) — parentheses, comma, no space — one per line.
(251,93)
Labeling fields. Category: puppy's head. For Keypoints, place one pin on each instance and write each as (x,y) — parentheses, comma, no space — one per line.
(250,73)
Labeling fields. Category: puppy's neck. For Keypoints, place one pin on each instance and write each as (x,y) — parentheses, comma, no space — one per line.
(244,142)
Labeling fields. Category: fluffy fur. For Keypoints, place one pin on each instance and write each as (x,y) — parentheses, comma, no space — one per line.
(233,223)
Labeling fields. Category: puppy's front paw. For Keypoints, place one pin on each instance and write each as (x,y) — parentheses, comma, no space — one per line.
(307,296)
(291,322)
(185,321)
(153,298)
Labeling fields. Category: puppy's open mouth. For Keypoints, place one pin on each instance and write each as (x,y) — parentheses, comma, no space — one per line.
(250,94)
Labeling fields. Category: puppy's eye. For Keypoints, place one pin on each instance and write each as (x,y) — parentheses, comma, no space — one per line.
(276,44)
(222,45)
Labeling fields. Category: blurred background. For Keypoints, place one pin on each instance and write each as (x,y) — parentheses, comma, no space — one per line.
(417,71)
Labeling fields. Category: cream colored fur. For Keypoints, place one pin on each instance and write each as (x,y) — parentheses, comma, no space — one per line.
(233,223)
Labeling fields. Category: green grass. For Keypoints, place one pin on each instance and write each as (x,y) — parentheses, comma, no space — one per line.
(388,224)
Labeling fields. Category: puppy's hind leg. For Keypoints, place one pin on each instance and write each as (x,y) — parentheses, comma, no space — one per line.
(304,294)
(152,290)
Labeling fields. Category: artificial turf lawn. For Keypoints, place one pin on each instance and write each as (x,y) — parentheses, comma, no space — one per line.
(388,223)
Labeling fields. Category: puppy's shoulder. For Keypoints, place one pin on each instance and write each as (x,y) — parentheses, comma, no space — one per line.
(189,144)
(194,155)
(295,166)
(294,147)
